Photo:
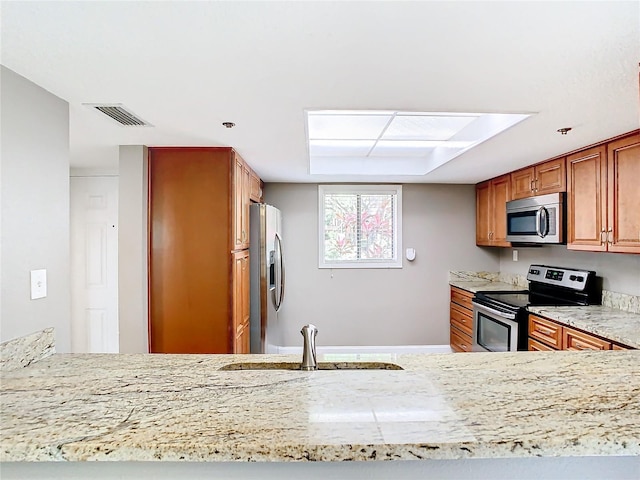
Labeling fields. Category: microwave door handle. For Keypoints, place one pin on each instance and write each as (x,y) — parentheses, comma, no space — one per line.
(538,221)
(544,218)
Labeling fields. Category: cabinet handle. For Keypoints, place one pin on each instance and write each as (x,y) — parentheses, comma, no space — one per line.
(532,182)
(544,331)
(602,237)
(610,236)
(535,183)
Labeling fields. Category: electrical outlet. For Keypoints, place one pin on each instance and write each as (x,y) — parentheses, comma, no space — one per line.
(38,284)
(515,255)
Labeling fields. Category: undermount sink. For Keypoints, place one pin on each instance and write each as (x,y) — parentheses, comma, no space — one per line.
(321,366)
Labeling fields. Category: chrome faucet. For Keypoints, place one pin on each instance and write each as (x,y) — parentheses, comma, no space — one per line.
(309,333)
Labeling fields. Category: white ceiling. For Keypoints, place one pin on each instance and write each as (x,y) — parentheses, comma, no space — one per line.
(186,67)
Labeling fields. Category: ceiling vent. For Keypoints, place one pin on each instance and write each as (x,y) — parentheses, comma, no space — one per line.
(120,114)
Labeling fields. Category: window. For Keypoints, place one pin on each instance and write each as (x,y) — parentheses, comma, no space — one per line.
(360,226)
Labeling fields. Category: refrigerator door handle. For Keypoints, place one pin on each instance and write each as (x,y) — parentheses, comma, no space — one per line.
(281,268)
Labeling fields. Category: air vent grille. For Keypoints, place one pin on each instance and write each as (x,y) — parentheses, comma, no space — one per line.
(121,115)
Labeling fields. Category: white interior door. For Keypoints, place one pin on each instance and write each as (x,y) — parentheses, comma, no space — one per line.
(94,264)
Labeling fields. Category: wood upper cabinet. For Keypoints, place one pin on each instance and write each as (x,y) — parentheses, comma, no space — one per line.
(603,198)
(491,211)
(241,192)
(240,322)
(541,179)
(586,199)
(256,188)
(198,211)
(623,195)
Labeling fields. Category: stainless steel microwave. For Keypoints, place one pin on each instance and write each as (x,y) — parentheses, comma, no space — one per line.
(537,219)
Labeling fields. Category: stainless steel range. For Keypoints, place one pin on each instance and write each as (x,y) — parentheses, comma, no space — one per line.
(500,318)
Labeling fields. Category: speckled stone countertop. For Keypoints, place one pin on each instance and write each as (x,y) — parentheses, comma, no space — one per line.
(616,325)
(80,407)
(486,281)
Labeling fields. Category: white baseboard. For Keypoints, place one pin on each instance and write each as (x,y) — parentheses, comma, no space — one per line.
(397,349)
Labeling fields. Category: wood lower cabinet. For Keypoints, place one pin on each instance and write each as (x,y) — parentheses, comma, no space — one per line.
(461,320)
(546,334)
(535,346)
(198,257)
(603,198)
(576,340)
(241,301)
(491,212)
(545,331)
(541,179)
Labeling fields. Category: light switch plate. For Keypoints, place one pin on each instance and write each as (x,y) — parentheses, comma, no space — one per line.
(38,284)
(515,255)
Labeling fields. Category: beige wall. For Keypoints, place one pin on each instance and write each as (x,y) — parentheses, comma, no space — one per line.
(619,272)
(34,209)
(408,306)
(132,247)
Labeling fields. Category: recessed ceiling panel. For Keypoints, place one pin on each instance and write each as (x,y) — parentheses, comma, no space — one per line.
(408,143)
(340,148)
(402,148)
(423,127)
(346,127)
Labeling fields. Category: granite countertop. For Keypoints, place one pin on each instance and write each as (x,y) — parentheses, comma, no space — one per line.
(110,407)
(482,285)
(616,325)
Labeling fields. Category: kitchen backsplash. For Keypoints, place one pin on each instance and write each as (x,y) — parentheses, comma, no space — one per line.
(620,301)
(23,351)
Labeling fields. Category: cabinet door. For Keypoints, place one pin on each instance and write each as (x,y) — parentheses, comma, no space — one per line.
(551,177)
(545,331)
(483,210)
(246,202)
(256,188)
(575,340)
(623,191)
(241,186)
(240,301)
(535,346)
(586,200)
(522,182)
(501,194)
(459,341)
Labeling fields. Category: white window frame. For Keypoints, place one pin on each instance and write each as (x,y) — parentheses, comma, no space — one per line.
(396,190)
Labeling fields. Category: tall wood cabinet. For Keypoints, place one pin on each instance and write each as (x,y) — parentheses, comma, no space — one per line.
(491,212)
(198,250)
(603,198)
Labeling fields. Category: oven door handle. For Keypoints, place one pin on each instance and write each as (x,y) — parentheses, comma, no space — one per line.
(508,316)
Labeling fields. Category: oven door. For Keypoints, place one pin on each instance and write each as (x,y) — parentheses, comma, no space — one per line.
(494,330)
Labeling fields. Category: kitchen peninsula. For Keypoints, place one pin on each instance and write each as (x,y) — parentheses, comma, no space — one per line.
(184,408)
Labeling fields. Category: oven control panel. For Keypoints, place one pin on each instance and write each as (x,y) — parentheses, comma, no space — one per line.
(565,277)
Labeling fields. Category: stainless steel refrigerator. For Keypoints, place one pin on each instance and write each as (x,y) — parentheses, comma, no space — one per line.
(267,278)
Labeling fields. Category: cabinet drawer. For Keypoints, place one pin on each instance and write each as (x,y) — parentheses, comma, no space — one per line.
(535,346)
(460,342)
(461,320)
(545,331)
(575,340)
(462,297)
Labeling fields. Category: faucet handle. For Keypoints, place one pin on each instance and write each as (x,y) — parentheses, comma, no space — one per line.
(309,329)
